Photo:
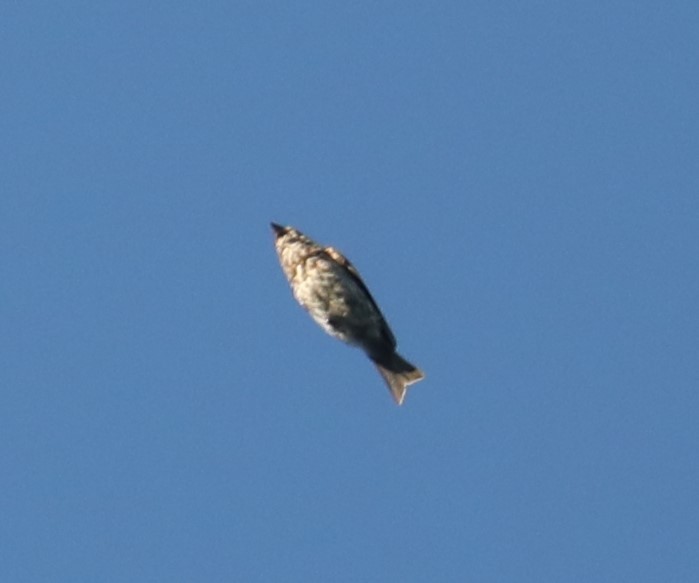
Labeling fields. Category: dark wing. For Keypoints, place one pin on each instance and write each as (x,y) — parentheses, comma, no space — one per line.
(339,258)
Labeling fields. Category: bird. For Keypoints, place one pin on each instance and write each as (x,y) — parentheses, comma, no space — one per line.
(331,290)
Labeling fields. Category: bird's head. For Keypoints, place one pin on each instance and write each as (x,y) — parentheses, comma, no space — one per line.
(287,235)
(291,243)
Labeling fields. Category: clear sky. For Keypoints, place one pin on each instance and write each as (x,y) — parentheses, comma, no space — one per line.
(518,183)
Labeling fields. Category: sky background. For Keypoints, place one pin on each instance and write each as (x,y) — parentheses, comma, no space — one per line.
(518,184)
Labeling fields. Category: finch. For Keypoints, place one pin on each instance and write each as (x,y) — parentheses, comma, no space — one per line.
(329,287)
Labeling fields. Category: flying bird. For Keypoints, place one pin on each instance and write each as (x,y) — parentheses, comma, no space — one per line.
(329,287)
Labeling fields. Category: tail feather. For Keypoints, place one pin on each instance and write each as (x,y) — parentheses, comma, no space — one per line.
(398,374)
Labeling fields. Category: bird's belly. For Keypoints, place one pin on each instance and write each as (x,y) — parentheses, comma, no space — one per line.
(339,307)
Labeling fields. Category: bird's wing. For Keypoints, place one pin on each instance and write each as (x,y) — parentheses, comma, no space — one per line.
(339,258)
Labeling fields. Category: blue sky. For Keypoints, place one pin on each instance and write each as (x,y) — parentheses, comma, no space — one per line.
(517,183)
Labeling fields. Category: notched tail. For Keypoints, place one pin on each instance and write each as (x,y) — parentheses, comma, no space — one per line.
(399,374)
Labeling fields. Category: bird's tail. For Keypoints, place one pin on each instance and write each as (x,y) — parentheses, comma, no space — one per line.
(398,374)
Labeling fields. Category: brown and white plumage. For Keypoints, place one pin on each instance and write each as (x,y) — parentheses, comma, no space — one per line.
(330,288)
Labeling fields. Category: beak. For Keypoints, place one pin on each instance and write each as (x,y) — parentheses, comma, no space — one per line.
(278,229)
